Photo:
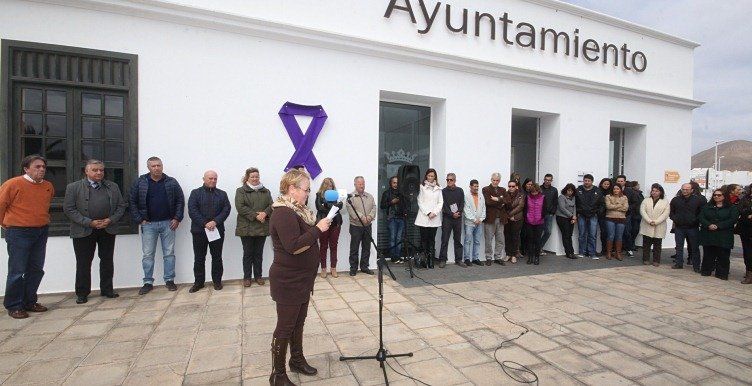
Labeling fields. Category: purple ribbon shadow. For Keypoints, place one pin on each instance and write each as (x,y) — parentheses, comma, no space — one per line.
(303,143)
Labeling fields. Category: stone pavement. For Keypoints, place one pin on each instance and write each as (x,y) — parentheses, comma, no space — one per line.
(602,324)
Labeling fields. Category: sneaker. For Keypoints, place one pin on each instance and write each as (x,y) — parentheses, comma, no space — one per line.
(630,253)
(146,289)
(171,285)
(595,257)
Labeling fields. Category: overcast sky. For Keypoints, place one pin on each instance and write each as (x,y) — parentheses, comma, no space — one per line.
(723,62)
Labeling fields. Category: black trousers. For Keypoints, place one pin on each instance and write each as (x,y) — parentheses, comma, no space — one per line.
(84,248)
(534,233)
(200,243)
(567,229)
(360,238)
(289,319)
(253,250)
(512,237)
(449,226)
(716,259)
(655,243)
(603,234)
(428,240)
(747,250)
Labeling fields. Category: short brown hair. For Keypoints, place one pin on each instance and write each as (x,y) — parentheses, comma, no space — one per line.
(247,174)
(293,177)
(29,159)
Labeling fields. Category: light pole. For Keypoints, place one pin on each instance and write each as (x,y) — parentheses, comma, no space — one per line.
(715,165)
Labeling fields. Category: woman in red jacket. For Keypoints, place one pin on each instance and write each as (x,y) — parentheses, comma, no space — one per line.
(534,223)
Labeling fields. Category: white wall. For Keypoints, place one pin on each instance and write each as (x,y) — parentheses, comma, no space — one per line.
(209,99)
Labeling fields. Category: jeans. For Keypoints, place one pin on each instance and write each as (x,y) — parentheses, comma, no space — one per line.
(26,252)
(627,236)
(587,227)
(396,228)
(615,230)
(547,227)
(494,232)
(84,248)
(449,226)
(472,241)
(566,228)
(149,234)
(692,235)
(329,239)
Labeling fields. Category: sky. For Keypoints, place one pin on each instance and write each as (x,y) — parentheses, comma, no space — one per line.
(723,62)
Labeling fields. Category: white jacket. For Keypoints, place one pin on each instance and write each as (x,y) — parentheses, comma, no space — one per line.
(472,213)
(430,200)
(658,213)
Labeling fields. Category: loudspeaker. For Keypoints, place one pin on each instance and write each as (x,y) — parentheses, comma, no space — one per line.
(409,181)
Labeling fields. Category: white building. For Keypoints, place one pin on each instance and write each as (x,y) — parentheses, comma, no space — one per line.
(534,86)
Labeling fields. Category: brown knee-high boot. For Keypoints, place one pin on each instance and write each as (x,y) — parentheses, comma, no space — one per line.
(609,247)
(298,362)
(279,354)
(618,251)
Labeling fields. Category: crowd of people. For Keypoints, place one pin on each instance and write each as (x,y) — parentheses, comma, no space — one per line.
(515,222)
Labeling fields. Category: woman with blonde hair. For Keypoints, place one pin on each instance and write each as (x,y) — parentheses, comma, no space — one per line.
(331,237)
(295,235)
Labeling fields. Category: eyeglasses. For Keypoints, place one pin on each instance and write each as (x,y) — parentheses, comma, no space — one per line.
(450,179)
(306,190)
(717,195)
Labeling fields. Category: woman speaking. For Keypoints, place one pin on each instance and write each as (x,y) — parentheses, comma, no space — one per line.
(291,277)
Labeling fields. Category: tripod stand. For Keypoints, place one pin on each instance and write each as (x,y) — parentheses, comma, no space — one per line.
(381,355)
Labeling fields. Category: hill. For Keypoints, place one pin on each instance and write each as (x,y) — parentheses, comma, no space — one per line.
(737,155)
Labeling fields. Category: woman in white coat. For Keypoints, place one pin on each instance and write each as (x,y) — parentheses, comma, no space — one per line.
(428,219)
(654,210)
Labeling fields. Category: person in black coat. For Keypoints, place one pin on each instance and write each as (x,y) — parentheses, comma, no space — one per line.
(394,205)
(208,208)
(744,229)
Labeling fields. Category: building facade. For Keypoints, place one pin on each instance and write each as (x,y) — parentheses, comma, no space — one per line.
(470,87)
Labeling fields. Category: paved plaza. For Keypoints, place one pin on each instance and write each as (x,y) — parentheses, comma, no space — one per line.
(591,322)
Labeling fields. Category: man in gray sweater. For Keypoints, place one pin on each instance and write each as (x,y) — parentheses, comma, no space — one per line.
(94,206)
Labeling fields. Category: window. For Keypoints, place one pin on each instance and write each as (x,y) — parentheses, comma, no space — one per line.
(69,105)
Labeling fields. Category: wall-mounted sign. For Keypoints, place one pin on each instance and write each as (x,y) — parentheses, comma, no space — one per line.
(522,33)
(671,176)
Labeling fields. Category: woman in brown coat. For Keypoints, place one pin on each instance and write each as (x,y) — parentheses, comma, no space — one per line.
(293,272)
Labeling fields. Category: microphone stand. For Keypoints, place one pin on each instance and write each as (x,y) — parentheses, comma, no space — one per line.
(382,354)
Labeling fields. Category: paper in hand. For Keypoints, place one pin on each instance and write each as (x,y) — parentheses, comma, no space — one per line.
(453,208)
(212,235)
(332,212)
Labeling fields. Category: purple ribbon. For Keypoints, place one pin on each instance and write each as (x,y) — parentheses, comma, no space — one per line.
(303,142)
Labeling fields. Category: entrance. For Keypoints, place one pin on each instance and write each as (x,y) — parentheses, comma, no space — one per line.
(404,138)
(525,147)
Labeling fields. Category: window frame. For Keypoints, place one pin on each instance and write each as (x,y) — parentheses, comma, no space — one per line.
(12,154)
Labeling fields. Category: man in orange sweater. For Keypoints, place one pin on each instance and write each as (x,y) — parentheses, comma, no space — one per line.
(25,216)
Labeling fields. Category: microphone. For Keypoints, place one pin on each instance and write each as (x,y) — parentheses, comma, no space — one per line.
(338,195)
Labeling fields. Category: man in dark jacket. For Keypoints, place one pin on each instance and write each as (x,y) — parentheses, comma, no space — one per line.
(208,208)
(550,202)
(451,222)
(588,202)
(496,218)
(94,206)
(394,206)
(156,203)
(685,213)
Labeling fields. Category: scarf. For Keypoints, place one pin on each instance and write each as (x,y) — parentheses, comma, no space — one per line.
(429,184)
(301,210)
(255,187)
